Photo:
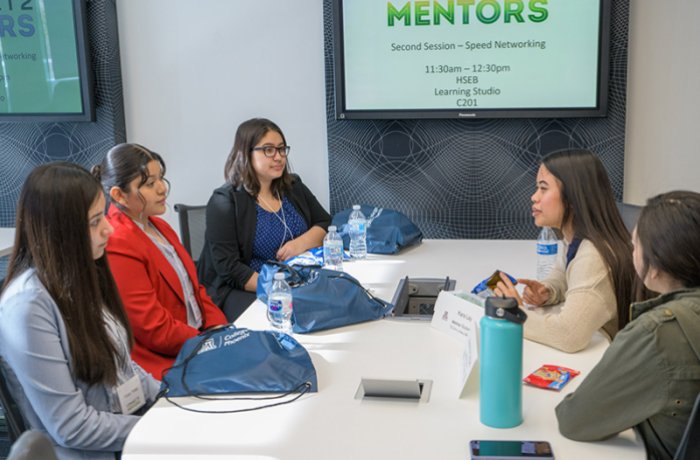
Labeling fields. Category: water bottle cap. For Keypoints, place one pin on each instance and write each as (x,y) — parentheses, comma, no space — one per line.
(356,206)
(332,228)
(279,276)
(505,308)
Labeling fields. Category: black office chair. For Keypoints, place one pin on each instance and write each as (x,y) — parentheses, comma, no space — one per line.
(689,448)
(192,228)
(14,420)
(629,213)
(32,445)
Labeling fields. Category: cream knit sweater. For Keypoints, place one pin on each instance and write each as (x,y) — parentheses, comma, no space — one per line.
(582,300)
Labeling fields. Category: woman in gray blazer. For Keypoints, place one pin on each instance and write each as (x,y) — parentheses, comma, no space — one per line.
(64,335)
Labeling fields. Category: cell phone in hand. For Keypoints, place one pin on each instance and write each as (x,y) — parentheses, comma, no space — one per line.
(510,450)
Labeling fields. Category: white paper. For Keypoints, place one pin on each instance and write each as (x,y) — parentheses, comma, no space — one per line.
(458,315)
(454,315)
(131,397)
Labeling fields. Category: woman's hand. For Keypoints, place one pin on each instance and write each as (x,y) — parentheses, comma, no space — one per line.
(535,293)
(290,249)
(506,288)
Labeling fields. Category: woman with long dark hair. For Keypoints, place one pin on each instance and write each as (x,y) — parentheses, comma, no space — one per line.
(156,277)
(263,212)
(64,335)
(649,377)
(592,287)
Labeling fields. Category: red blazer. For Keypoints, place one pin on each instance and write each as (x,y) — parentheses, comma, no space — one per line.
(152,293)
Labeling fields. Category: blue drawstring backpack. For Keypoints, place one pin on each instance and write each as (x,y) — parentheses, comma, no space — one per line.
(388,231)
(323,299)
(229,360)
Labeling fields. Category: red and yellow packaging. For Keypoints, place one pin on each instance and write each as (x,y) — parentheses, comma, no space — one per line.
(551,377)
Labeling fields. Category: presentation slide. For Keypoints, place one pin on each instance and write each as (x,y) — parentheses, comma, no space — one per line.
(38,56)
(470,54)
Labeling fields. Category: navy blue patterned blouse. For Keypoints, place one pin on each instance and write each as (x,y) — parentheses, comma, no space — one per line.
(271,232)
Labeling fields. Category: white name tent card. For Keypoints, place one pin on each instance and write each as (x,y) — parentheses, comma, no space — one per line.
(457,314)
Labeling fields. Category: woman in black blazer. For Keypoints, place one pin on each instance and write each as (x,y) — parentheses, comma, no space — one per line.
(263,212)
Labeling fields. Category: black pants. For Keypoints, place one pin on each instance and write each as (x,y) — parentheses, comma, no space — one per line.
(235,303)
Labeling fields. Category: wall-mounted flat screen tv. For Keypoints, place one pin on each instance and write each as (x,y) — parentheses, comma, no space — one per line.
(471,58)
(45,72)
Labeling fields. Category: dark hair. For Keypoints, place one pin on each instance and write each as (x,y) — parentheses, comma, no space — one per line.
(53,237)
(124,163)
(668,230)
(239,170)
(589,206)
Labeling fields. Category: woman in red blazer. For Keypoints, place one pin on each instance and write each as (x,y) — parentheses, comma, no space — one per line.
(156,278)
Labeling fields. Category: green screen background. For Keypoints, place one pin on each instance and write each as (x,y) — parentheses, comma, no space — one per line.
(563,75)
(40,72)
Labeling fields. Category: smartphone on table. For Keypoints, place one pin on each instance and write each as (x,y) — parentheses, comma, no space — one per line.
(510,450)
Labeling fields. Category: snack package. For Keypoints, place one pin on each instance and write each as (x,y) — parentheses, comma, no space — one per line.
(486,287)
(312,257)
(551,376)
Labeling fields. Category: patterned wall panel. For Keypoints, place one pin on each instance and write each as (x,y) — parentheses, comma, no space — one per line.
(466,178)
(26,145)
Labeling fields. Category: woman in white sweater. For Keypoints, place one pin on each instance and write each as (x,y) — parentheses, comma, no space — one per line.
(591,288)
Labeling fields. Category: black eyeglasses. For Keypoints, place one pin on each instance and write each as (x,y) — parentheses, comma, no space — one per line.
(270,151)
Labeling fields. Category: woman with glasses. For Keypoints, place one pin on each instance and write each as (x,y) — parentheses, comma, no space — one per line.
(156,277)
(262,213)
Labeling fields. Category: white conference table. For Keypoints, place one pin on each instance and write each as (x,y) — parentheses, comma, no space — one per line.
(7,240)
(331,424)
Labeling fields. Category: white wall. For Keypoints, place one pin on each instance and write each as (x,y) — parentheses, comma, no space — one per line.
(662,149)
(192,71)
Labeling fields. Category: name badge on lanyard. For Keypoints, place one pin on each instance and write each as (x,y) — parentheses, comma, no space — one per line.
(131,397)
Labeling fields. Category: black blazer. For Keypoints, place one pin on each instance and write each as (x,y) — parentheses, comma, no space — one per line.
(228,246)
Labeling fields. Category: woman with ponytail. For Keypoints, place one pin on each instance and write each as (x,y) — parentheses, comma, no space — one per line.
(156,277)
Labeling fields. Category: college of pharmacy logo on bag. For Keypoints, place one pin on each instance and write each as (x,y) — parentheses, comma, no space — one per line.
(208,345)
(212,343)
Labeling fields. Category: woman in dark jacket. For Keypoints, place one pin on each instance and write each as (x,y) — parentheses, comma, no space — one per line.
(649,377)
(262,212)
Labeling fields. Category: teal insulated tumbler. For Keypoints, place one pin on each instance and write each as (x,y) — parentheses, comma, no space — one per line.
(501,363)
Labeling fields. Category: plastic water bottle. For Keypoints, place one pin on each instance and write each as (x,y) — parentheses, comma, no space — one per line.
(279,304)
(501,363)
(333,250)
(357,224)
(547,245)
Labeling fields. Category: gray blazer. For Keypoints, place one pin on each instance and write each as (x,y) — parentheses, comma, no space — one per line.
(82,421)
